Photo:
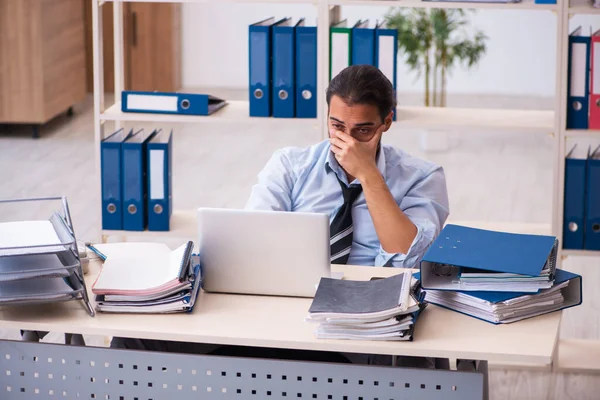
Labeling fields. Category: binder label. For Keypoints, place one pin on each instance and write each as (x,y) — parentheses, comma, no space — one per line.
(596,71)
(341,49)
(152,102)
(385,60)
(157,174)
(578,70)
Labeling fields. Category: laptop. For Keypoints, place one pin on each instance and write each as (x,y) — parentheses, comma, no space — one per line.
(263,252)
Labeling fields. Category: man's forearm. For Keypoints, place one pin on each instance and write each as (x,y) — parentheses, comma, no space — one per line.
(395,230)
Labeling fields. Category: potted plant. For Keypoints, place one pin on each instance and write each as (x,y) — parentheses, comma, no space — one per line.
(433,43)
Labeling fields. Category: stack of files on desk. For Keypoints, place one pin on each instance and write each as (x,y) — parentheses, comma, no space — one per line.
(581,223)
(136,180)
(158,281)
(496,276)
(507,307)
(39,262)
(464,258)
(382,309)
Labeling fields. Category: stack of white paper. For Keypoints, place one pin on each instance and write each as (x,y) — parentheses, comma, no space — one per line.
(507,307)
(35,264)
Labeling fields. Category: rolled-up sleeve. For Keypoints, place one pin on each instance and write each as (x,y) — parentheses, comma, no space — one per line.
(273,191)
(426,205)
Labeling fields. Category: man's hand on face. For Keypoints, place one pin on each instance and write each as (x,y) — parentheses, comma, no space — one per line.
(356,157)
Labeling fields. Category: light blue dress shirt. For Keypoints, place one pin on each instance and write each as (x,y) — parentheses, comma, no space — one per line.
(304,180)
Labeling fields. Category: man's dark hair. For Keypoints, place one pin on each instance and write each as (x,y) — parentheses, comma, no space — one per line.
(363,84)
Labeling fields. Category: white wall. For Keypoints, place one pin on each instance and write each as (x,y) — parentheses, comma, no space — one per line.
(520,59)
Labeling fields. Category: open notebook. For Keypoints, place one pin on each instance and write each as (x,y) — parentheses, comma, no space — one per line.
(145,275)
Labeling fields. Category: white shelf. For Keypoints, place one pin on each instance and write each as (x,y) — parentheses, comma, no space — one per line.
(234,111)
(580,253)
(584,9)
(583,133)
(524,5)
(477,119)
(414,117)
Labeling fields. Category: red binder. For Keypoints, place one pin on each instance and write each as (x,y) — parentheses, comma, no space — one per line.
(595,82)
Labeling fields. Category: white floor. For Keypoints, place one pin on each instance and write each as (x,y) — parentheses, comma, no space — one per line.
(491,177)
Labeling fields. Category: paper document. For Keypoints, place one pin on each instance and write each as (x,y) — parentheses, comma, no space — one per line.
(28,234)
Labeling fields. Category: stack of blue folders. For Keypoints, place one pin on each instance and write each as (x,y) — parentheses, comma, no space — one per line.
(282,60)
(136,180)
(496,276)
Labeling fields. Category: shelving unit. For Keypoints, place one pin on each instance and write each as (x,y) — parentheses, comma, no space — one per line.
(550,122)
(459,119)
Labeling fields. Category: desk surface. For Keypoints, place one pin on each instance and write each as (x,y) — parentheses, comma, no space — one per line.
(279,322)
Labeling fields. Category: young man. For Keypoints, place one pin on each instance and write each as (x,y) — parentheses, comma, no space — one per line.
(385,206)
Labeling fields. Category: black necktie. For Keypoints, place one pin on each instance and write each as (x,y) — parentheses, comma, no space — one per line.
(340,231)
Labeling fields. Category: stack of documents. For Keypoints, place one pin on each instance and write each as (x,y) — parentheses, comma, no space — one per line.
(382,309)
(507,307)
(146,278)
(495,276)
(464,258)
(39,261)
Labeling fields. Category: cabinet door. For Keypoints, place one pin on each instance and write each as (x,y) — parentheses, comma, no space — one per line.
(153,46)
(151,43)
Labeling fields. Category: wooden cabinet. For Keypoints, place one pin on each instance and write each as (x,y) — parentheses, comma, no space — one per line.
(42,59)
(153,49)
(152,46)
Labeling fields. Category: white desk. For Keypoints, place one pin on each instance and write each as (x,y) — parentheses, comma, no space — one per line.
(277,322)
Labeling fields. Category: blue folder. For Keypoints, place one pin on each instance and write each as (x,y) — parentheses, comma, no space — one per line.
(170,103)
(110,166)
(459,247)
(306,71)
(283,69)
(578,81)
(574,198)
(386,54)
(592,217)
(134,180)
(160,181)
(259,67)
(572,294)
(363,44)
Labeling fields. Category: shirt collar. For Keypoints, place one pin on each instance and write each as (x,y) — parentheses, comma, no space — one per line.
(332,165)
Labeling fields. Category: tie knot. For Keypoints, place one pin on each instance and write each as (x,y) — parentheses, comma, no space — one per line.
(351,192)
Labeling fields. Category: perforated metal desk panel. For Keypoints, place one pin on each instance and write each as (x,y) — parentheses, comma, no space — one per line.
(265,322)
